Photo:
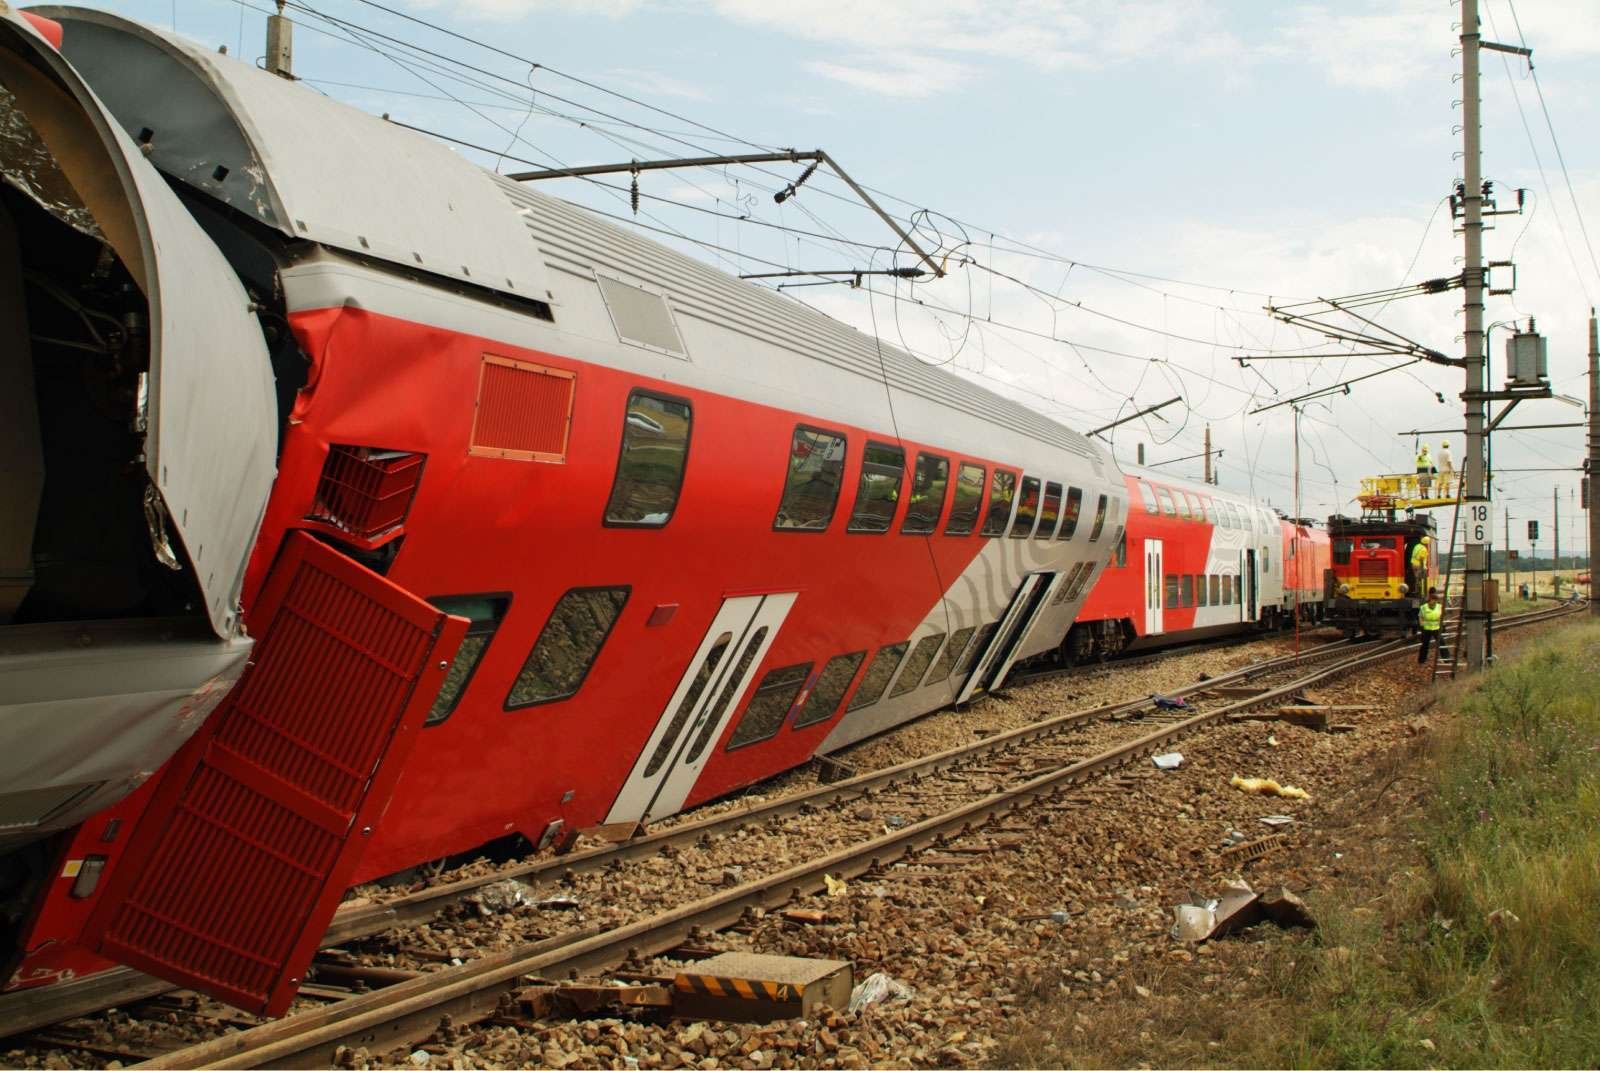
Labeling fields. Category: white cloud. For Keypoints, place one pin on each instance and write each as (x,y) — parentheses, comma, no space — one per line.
(909,77)
(653,83)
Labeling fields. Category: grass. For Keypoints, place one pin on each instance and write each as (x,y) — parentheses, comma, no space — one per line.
(1489,955)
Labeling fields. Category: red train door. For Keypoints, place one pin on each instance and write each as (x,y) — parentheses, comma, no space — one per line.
(244,852)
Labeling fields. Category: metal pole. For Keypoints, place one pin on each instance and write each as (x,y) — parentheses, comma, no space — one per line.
(1476,625)
(1208,454)
(1507,552)
(1298,557)
(1594,457)
(1555,523)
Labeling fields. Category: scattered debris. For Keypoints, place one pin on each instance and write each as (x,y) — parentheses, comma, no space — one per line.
(1239,906)
(1272,741)
(1501,916)
(1170,702)
(1267,786)
(1276,819)
(1241,853)
(836,886)
(879,988)
(557,903)
(754,987)
(500,897)
(805,915)
(1170,761)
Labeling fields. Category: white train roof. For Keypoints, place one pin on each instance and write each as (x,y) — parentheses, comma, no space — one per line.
(315,168)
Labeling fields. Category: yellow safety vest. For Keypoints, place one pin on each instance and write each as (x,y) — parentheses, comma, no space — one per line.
(1423,461)
(1429,616)
(1419,556)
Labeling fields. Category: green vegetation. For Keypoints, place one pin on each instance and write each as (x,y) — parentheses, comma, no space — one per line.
(1490,955)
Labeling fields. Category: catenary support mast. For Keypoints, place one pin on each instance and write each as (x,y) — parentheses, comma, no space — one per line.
(1476,621)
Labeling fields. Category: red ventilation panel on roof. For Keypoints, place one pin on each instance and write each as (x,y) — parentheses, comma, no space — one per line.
(524,411)
(365,493)
(236,867)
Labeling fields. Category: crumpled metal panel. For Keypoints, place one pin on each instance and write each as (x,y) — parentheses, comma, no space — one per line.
(26,164)
(306,164)
(212,419)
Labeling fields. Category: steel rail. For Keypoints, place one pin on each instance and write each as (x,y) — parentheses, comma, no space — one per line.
(410,1010)
(38,1008)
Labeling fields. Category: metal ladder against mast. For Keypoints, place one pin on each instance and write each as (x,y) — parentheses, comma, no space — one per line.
(1449,670)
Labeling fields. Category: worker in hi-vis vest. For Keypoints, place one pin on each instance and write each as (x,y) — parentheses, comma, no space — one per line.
(1429,615)
(1419,564)
(1424,459)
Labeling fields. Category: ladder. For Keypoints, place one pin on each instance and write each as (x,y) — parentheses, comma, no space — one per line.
(1447,668)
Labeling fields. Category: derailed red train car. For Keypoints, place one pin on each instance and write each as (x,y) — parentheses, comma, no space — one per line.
(371,507)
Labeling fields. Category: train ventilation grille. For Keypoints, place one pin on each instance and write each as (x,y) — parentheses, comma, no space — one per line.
(365,493)
(1372,570)
(524,411)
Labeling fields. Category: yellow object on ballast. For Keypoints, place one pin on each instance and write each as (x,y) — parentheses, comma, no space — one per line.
(1266,786)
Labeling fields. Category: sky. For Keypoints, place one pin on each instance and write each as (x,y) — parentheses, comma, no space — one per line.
(1115,188)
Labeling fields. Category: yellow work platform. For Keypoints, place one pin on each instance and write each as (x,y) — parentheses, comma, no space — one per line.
(1409,490)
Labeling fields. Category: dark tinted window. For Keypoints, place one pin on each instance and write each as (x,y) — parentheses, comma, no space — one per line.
(953,650)
(832,683)
(1082,580)
(1122,546)
(1064,589)
(974,652)
(969,500)
(927,494)
(730,691)
(876,679)
(691,698)
(1099,520)
(1216,590)
(1227,589)
(770,704)
(655,446)
(811,488)
(1069,513)
(567,646)
(1049,510)
(1001,490)
(1341,551)
(878,495)
(1027,508)
(1172,601)
(1200,591)
(485,612)
(921,658)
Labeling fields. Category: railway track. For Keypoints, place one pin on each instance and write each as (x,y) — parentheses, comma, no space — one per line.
(411,1009)
(461,991)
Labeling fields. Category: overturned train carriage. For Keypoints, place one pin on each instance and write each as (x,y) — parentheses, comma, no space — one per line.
(363,507)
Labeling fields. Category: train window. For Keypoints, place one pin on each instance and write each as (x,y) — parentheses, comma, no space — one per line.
(691,698)
(1196,514)
(1341,551)
(1165,497)
(811,488)
(882,468)
(1183,506)
(921,658)
(1148,493)
(1081,581)
(969,500)
(1227,590)
(1064,589)
(1027,508)
(832,683)
(1186,587)
(1122,546)
(953,650)
(1172,600)
(1099,520)
(763,715)
(1069,513)
(730,692)
(878,673)
(567,646)
(1200,590)
(655,448)
(1049,510)
(1216,590)
(928,485)
(485,612)
(1207,509)
(972,653)
(1002,489)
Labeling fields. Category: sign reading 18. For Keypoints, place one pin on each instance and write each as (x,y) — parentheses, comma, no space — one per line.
(1480,522)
